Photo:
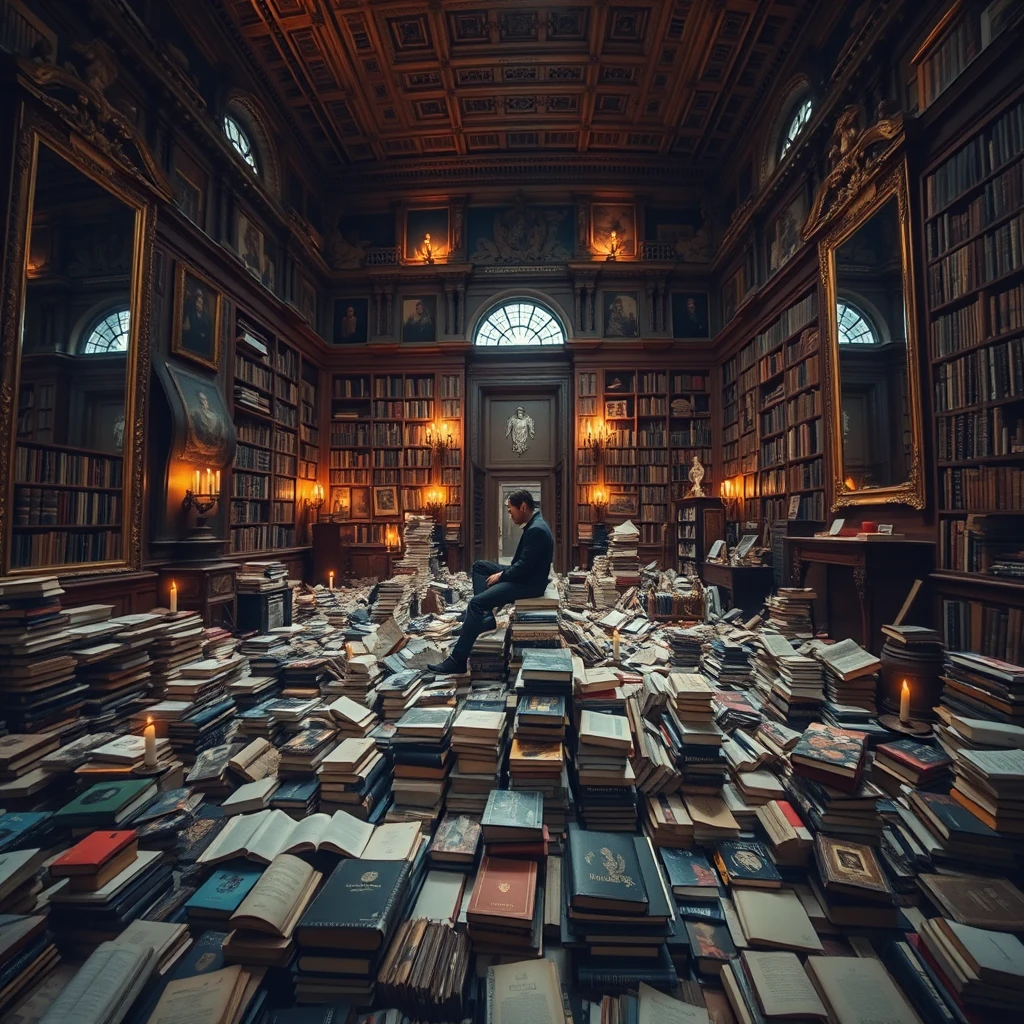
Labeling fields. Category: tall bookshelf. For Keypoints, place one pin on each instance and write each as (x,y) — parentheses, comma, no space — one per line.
(275,411)
(772,432)
(973,218)
(379,434)
(658,419)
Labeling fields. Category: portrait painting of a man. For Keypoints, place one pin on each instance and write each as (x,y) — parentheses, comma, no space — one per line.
(419,319)
(350,321)
(196,330)
(206,434)
(690,315)
(620,315)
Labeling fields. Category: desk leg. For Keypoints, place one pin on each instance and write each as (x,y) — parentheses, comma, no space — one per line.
(860,581)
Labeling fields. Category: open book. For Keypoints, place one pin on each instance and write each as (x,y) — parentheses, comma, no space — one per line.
(265,834)
(276,902)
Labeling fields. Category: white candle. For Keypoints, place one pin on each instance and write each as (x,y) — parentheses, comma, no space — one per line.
(330,580)
(150,734)
(905,704)
(615,645)
(174,598)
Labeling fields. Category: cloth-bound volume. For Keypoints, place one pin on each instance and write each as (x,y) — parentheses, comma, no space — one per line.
(456,840)
(513,814)
(356,907)
(830,755)
(606,872)
(524,991)
(504,893)
(690,874)
(851,869)
(994,903)
(747,863)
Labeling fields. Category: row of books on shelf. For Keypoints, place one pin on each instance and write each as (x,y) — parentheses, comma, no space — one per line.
(986,259)
(988,374)
(410,409)
(773,453)
(247,485)
(995,631)
(789,322)
(959,328)
(1003,195)
(253,432)
(285,464)
(252,458)
(288,362)
(349,476)
(64,547)
(285,441)
(259,538)
(401,476)
(287,391)
(242,512)
(804,406)
(350,387)
(253,373)
(652,533)
(982,488)
(773,481)
(804,440)
(350,435)
(286,416)
(992,543)
(252,399)
(309,470)
(45,506)
(52,466)
(805,476)
(697,436)
(803,375)
(980,434)
(403,387)
(774,420)
(947,61)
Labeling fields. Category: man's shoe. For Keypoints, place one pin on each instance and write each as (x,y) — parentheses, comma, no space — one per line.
(448,667)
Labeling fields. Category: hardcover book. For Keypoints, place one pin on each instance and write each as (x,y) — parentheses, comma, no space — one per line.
(605,872)
(919,757)
(91,853)
(222,893)
(539,663)
(107,801)
(689,874)
(994,903)
(950,819)
(543,707)
(836,750)
(504,893)
(746,863)
(851,869)
(711,945)
(456,840)
(513,812)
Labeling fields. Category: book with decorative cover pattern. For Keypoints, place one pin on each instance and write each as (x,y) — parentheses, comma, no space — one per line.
(850,868)
(746,863)
(513,809)
(458,836)
(919,756)
(605,872)
(504,889)
(224,890)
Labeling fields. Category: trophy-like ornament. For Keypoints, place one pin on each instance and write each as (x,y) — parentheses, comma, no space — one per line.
(696,474)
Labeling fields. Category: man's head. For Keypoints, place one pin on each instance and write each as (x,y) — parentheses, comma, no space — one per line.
(520,506)
(350,312)
(200,301)
(691,305)
(419,309)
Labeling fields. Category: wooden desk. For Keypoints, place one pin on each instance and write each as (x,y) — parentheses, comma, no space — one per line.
(748,585)
(206,587)
(881,573)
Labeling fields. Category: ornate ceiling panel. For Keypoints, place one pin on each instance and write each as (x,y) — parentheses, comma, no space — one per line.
(389,80)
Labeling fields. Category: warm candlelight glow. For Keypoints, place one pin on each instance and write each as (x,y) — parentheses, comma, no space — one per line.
(850,484)
(598,496)
(149,734)
(905,704)
(174,598)
(330,580)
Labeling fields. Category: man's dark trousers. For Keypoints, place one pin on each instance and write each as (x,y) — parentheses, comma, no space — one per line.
(484,601)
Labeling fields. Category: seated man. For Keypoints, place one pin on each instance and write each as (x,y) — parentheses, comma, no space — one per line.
(495,585)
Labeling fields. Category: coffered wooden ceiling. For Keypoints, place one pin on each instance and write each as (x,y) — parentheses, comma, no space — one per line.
(387,81)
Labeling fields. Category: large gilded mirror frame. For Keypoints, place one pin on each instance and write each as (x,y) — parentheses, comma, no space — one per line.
(868,175)
(73,119)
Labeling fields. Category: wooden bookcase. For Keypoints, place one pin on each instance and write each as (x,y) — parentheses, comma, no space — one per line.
(276,418)
(659,419)
(772,431)
(379,439)
(973,221)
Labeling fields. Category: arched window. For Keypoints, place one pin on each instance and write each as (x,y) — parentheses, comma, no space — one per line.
(519,322)
(240,140)
(854,328)
(110,334)
(800,117)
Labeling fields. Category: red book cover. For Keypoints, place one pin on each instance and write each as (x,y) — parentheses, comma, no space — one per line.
(89,855)
(918,756)
(504,888)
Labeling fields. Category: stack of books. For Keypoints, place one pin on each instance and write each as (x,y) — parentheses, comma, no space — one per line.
(623,556)
(602,583)
(20,883)
(851,674)
(990,784)
(687,644)
(727,662)
(480,744)
(260,577)
(421,749)
(400,692)
(362,673)
(797,692)
(845,814)
(180,642)
(547,672)
(910,763)
(577,592)
(456,843)
(616,906)
(424,973)
(668,822)
(506,911)
(538,766)
(355,777)
(790,610)
(513,825)
(351,719)
(487,663)
(256,760)
(24,782)
(851,886)
(606,779)
(393,599)
(696,745)
(531,631)
(981,687)
(791,841)
(345,932)
(213,903)
(27,957)
(834,757)
(304,752)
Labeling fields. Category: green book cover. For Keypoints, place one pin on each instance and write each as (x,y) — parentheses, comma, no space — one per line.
(102,801)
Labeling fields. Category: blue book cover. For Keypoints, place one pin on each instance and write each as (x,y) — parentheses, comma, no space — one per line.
(224,890)
(16,826)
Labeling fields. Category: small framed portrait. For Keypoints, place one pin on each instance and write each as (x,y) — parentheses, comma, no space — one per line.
(250,246)
(351,318)
(341,502)
(385,501)
(622,503)
(207,434)
(690,315)
(621,314)
(419,318)
(619,218)
(361,508)
(617,409)
(188,196)
(195,333)
(426,235)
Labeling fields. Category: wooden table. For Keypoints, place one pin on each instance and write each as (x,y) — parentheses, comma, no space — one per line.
(206,587)
(748,585)
(861,583)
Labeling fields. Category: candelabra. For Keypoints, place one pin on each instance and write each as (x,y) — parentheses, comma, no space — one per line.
(614,246)
(315,501)
(597,436)
(428,249)
(440,437)
(203,495)
(599,502)
(435,501)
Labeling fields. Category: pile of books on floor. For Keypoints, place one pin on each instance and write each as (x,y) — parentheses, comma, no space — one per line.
(623,556)
(602,583)
(727,662)
(577,590)
(422,755)
(983,687)
(480,745)
(687,644)
(790,610)
(607,791)
(537,761)
(851,674)
(796,694)
(259,577)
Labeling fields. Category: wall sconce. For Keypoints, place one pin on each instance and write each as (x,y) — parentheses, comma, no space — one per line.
(614,246)
(435,500)
(440,436)
(392,539)
(428,249)
(203,495)
(599,502)
(597,435)
(730,492)
(316,500)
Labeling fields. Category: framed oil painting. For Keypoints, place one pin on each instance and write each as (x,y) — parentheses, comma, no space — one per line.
(351,320)
(195,333)
(385,501)
(606,218)
(361,508)
(622,503)
(207,425)
(690,315)
(419,318)
(621,314)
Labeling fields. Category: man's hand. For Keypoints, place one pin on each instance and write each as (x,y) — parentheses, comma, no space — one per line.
(495,577)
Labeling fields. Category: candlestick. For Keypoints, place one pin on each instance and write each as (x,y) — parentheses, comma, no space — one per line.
(174,598)
(905,703)
(615,646)
(150,735)
(330,580)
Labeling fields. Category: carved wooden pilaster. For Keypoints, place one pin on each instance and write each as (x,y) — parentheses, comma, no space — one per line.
(577,290)
(660,307)
(651,320)
(460,289)
(449,307)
